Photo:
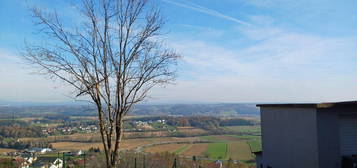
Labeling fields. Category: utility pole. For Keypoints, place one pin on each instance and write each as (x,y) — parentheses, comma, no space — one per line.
(58,159)
(135,162)
(11,161)
(84,157)
(175,164)
(64,161)
(144,162)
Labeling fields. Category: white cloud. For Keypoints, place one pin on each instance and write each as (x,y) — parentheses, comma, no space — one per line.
(276,66)
(282,66)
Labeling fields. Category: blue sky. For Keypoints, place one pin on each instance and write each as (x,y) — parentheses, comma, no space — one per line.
(234,51)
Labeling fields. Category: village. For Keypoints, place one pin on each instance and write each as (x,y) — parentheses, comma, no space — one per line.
(69,129)
(39,158)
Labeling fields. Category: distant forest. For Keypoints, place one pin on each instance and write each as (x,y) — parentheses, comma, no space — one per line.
(179,109)
(11,130)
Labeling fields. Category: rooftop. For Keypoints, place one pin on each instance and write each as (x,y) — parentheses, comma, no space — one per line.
(313,105)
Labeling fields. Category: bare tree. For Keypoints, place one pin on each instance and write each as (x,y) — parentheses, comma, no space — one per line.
(114,58)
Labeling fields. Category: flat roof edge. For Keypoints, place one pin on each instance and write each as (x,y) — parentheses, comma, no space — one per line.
(288,105)
(312,105)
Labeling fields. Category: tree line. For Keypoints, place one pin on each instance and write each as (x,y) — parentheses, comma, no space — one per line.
(204,122)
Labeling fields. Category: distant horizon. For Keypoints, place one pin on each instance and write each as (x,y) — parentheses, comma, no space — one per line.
(80,103)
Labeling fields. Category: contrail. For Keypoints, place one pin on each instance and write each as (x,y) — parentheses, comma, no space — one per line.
(205,10)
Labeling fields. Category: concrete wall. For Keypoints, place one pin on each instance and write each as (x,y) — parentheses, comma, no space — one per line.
(328,138)
(289,137)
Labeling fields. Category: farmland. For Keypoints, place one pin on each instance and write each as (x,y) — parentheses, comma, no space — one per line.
(238,151)
(219,147)
(203,138)
(183,148)
(172,148)
(2,150)
(236,147)
(128,144)
(196,150)
(217,151)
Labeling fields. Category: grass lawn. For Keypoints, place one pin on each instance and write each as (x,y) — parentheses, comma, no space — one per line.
(217,151)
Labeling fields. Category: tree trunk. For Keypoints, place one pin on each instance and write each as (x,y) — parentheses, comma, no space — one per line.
(112,152)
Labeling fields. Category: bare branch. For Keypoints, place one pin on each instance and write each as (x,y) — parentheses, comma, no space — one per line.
(114,58)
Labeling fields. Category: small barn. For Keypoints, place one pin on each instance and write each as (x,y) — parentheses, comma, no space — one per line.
(321,135)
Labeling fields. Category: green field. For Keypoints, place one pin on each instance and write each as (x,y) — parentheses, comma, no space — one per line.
(239,147)
(255,145)
(247,137)
(243,129)
(217,151)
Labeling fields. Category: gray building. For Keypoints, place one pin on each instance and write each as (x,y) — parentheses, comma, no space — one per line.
(320,135)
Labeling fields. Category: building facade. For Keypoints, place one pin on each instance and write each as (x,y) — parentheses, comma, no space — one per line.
(320,135)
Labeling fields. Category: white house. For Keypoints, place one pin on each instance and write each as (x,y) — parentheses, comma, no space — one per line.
(48,163)
(58,163)
(322,135)
(45,150)
(80,152)
(40,150)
